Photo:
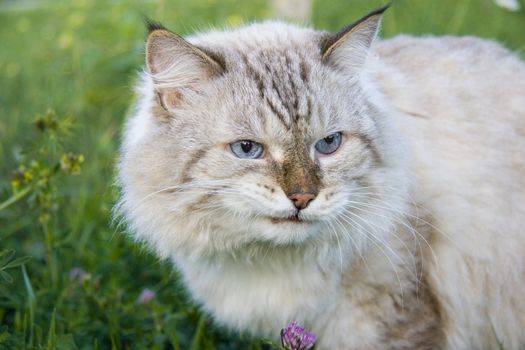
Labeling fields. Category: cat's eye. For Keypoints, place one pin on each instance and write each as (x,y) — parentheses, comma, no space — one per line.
(329,144)
(247,149)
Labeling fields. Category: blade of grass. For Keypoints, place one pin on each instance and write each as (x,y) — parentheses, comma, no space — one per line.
(30,305)
(199,333)
(459,16)
(51,334)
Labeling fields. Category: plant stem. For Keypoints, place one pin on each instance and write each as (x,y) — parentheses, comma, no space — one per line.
(50,254)
(15,198)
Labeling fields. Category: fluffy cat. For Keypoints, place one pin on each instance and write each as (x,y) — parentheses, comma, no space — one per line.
(372,190)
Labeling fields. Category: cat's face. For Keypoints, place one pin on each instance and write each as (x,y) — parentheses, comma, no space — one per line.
(266,134)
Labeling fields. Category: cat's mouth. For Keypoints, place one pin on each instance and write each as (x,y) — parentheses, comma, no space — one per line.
(290,219)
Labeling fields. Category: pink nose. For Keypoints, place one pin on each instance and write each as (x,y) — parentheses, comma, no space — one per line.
(301,200)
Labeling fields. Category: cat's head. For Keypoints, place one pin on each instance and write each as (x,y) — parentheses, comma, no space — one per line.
(267,134)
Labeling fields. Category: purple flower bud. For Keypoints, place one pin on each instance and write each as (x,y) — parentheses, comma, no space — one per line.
(146,296)
(295,337)
(78,274)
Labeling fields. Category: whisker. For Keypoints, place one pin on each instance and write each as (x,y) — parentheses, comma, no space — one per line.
(397,219)
(338,246)
(410,229)
(414,204)
(202,187)
(373,240)
(352,241)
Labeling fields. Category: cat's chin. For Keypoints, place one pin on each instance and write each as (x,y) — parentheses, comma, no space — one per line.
(287,230)
(295,219)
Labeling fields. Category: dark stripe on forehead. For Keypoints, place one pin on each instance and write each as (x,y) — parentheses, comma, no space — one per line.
(305,71)
(283,99)
(275,110)
(304,113)
(309,107)
(250,70)
(282,88)
(293,96)
(281,80)
(276,89)
(257,76)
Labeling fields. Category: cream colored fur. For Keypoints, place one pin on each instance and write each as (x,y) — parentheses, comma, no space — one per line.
(461,106)
(444,212)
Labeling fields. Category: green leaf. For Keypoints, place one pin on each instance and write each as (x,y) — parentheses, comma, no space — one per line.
(30,308)
(7,277)
(17,262)
(29,288)
(5,256)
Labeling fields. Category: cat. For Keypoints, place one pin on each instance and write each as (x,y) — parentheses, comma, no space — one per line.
(372,190)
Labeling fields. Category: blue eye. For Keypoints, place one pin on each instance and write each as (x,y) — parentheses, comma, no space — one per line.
(247,149)
(329,144)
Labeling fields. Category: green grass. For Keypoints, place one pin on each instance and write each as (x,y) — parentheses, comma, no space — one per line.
(78,60)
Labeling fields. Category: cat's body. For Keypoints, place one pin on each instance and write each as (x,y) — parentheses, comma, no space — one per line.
(466,125)
(407,236)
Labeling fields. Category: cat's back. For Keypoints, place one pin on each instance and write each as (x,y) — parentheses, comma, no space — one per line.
(460,105)
(462,108)
(457,73)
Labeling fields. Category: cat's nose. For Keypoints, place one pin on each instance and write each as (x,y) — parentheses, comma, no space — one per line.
(301,200)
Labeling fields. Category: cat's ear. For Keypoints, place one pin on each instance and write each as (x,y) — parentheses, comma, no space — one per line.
(176,66)
(349,47)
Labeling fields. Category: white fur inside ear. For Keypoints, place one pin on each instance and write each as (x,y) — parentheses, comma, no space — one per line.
(175,66)
(351,49)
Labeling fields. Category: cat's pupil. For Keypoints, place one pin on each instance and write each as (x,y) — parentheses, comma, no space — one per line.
(329,139)
(246,146)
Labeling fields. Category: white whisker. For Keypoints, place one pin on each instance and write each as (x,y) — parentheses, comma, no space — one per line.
(338,246)
(393,233)
(373,240)
(397,219)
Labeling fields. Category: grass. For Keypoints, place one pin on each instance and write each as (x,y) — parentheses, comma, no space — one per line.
(68,279)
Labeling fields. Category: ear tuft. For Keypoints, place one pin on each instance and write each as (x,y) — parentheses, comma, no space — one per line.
(349,47)
(152,25)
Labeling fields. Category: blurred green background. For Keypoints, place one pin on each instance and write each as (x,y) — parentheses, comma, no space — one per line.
(67,70)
